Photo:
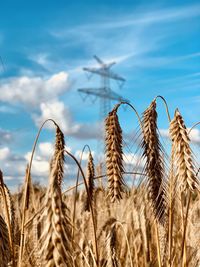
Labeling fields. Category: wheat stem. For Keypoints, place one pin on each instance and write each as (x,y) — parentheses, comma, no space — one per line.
(193,126)
(183,247)
(166,106)
(76,187)
(158,245)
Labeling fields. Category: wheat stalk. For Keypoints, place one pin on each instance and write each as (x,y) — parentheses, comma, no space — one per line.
(114,156)
(154,160)
(184,177)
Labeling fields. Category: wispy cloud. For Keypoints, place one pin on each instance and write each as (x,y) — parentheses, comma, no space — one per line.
(141,17)
(133,38)
(152,17)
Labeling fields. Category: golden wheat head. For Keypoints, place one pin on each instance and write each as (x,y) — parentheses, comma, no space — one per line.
(56,242)
(154,161)
(59,146)
(114,156)
(90,181)
(181,154)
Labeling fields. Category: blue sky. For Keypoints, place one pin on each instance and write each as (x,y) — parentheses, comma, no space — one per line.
(45,44)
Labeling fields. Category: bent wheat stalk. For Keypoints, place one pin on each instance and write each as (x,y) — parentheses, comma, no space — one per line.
(76,187)
(26,187)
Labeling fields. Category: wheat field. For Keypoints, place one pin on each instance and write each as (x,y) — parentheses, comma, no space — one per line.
(101,221)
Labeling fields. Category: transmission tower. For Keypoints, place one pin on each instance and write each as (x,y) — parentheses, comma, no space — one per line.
(104,92)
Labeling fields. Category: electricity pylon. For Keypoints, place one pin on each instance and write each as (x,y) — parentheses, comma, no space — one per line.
(104,93)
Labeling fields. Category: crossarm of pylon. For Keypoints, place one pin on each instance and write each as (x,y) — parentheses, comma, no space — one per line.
(105,73)
(101,92)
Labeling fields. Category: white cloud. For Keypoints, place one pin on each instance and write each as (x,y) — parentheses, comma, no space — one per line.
(14,166)
(31,91)
(164,133)
(41,59)
(40,97)
(46,149)
(4,153)
(37,93)
(57,111)
(195,136)
(134,160)
(5,136)
(40,168)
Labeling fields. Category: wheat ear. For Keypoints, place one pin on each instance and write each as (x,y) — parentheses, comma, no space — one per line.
(154,160)
(112,259)
(9,215)
(56,249)
(5,253)
(59,146)
(182,155)
(90,181)
(114,156)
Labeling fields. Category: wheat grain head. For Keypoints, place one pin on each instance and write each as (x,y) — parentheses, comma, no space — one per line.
(114,156)
(154,160)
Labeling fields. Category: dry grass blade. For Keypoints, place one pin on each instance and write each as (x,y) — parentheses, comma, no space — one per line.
(114,156)
(154,161)
(59,146)
(90,181)
(56,243)
(182,155)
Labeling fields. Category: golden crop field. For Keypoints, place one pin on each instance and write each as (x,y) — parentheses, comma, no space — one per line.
(152,224)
